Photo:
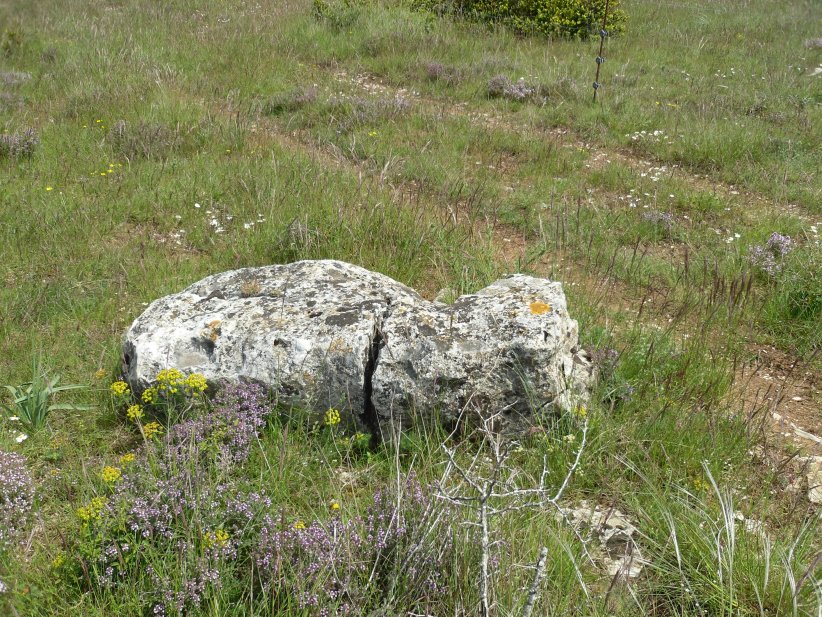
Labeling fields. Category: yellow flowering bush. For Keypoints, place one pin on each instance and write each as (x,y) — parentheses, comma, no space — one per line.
(152,430)
(150,395)
(194,384)
(111,474)
(91,511)
(134,413)
(219,538)
(173,386)
(169,381)
(120,388)
(332,417)
(171,396)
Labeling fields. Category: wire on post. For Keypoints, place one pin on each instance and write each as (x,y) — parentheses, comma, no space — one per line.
(603,33)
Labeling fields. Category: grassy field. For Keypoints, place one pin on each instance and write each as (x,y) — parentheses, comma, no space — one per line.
(145,145)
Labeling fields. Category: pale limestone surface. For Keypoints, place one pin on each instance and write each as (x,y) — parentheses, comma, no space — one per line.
(330,334)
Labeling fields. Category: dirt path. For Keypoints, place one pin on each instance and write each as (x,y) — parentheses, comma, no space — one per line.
(754,204)
(773,388)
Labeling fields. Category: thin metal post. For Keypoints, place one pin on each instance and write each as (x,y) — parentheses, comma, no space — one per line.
(600,58)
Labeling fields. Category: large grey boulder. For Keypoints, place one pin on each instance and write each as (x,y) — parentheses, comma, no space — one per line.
(329,334)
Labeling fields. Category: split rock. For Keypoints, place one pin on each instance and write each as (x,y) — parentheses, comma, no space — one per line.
(330,334)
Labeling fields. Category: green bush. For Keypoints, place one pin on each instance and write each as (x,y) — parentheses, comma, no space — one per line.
(559,18)
(339,14)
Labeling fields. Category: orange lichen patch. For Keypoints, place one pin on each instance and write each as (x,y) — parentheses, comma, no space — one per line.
(212,331)
(539,308)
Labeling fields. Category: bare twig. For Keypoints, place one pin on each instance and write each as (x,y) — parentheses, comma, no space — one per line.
(493,488)
(538,574)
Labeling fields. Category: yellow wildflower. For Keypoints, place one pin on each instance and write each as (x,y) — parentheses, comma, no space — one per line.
(332,417)
(134,413)
(111,474)
(299,525)
(195,384)
(120,388)
(92,510)
(49,188)
(219,538)
(168,381)
(150,395)
(100,373)
(700,484)
(152,430)
(335,505)
(127,458)
(581,411)
(58,561)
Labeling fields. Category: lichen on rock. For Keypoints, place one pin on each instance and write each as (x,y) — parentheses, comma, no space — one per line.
(327,334)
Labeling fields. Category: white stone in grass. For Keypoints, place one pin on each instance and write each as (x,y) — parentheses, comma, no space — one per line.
(616,550)
(329,334)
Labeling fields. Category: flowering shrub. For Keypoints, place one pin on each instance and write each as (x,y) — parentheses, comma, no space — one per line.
(344,567)
(663,219)
(769,257)
(166,503)
(19,145)
(180,526)
(559,18)
(91,511)
(111,475)
(16,498)
(119,388)
(134,413)
(172,395)
(174,388)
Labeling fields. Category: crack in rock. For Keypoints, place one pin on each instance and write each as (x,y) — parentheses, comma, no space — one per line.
(369,412)
(329,334)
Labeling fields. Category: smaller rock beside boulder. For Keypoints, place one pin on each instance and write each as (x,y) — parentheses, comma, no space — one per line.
(615,534)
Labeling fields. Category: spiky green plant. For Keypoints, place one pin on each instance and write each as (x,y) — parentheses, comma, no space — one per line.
(31,401)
